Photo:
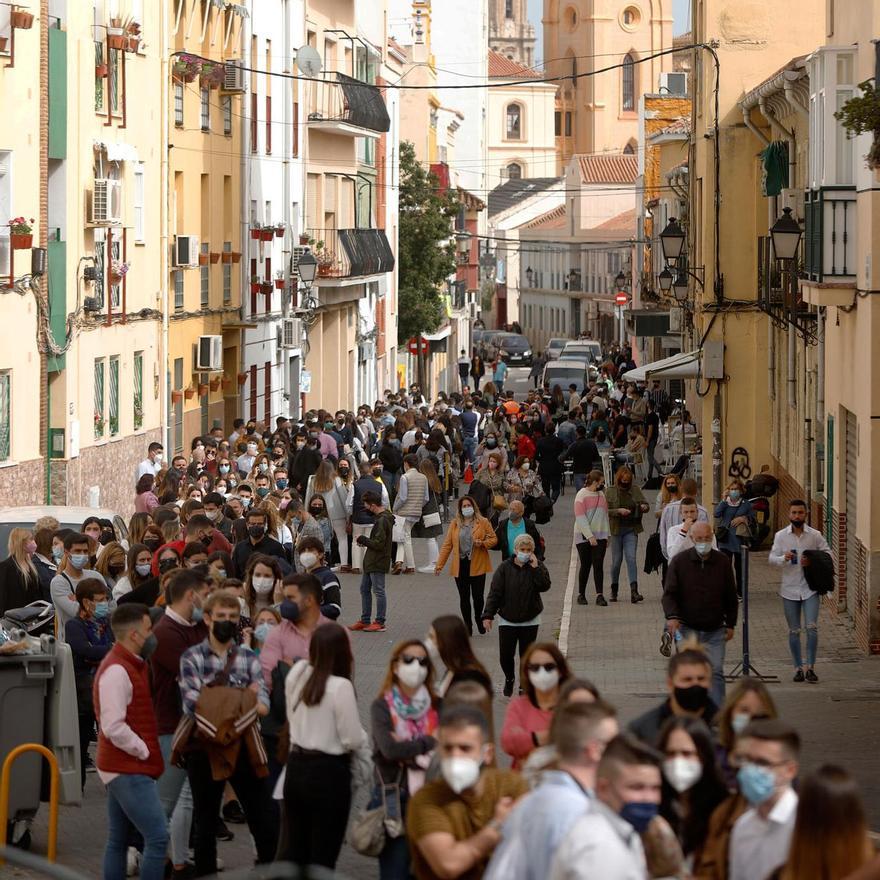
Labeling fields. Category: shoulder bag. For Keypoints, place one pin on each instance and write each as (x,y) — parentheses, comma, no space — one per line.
(371,826)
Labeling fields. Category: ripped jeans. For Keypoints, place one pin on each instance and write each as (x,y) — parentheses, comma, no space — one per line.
(810,607)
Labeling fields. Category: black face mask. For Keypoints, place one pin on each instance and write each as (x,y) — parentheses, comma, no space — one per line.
(316,511)
(624,484)
(692,698)
(256,531)
(167,565)
(797,523)
(207,540)
(152,544)
(224,630)
(290,610)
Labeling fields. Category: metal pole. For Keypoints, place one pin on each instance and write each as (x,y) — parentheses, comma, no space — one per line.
(744,556)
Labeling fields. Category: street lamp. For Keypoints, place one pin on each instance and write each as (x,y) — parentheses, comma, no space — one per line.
(664,279)
(620,281)
(307,268)
(672,241)
(786,234)
(529,275)
(680,287)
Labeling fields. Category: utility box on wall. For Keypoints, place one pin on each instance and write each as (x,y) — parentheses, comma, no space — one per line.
(713,359)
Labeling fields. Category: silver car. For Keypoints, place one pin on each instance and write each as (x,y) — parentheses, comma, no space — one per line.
(68,518)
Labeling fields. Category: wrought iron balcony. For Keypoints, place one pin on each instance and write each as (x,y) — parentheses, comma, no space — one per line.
(344,254)
(830,234)
(347,106)
(779,293)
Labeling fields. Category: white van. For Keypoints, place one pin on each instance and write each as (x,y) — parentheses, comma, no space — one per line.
(582,348)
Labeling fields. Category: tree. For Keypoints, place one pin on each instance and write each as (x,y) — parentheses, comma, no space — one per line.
(426,255)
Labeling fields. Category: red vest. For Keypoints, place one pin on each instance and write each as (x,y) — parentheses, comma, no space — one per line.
(139,716)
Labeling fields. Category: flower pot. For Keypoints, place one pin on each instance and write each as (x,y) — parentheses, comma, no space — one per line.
(227,257)
(215,257)
(256,234)
(116,278)
(101,71)
(22,20)
(176,396)
(236,256)
(116,22)
(279,232)
(242,378)
(203,389)
(3,42)
(256,287)
(21,241)
(215,383)
(267,234)
(324,271)
(133,44)
(304,240)
(189,393)
(203,259)
(117,41)
(279,284)
(227,383)
(190,76)
(267,288)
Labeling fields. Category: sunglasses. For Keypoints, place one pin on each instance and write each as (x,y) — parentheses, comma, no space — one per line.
(409,658)
(537,667)
(211,454)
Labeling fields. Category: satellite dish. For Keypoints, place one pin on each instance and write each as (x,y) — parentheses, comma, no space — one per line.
(308,61)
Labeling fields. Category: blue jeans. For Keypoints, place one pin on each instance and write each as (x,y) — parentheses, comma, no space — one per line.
(170,783)
(580,480)
(133,800)
(810,608)
(373,582)
(714,642)
(470,448)
(623,546)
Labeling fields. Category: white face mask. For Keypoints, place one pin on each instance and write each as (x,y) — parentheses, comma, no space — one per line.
(460,773)
(740,721)
(526,465)
(467,512)
(214,515)
(544,679)
(682,773)
(411,675)
(263,585)
(308,559)
(158,458)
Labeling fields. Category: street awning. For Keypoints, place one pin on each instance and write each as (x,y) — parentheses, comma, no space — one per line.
(685,365)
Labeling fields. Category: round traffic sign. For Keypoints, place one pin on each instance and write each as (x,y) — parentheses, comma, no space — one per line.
(413,345)
(621,298)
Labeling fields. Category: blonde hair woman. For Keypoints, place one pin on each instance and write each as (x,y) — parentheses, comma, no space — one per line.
(111,564)
(337,500)
(19,582)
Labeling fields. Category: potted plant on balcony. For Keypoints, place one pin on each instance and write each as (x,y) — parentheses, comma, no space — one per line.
(101,71)
(117,38)
(203,259)
(215,256)
(226,382)
(255,284)
(118,271)
(21,19)
(203,389)
(236,256)
(242,378)
(304,239)
(99,425)
(861,114)
(215,383)
(3,42)
(267,233)
(266,287)
(279,230)
(279,281)
(226,257)
(21,236)
(189,392)
(176,396)
(187,67)
(138,412)
(256,233)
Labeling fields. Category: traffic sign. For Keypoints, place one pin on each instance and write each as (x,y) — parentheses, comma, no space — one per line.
(413,345)
(621,298)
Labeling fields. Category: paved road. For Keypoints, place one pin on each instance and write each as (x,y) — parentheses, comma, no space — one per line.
(615,646)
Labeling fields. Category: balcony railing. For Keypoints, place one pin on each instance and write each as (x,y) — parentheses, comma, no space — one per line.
(340,103)
(830,234)
(351,253)
(779,293)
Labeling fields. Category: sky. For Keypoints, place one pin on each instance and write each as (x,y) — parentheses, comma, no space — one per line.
(679,12)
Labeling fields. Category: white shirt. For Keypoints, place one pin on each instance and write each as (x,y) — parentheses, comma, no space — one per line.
(671,517)
(147,466)
(759,846)
(794,584)
(601,844)
(678,541)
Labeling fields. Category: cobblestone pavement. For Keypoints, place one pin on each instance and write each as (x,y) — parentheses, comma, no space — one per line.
(617,647)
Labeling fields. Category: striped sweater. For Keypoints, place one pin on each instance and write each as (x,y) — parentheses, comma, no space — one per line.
(591,516)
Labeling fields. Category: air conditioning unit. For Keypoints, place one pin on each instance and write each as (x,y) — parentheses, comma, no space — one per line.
(233,77)
(291,333)
(296,252)
(107,202)
(208,354)
(186,251)
(674,83)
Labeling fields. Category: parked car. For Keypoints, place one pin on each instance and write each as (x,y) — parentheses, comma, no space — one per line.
(554,347)
(68,517)
(582,348)
(569,371)
(515,350)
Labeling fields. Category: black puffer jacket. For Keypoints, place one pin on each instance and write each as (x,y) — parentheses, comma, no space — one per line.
(516,590)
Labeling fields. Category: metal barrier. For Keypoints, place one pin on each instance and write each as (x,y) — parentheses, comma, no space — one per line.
(5,780)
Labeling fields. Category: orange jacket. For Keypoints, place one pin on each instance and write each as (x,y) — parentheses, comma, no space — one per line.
(480,563)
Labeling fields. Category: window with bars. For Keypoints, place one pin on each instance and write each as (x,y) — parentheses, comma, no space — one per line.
(629,83)
(113,405)
(205,272)
(227,274)
(116,257)
(205,109)
(139,202)
(99,80)
(253,122)
(177,407)
(99,398)
(295,139)
(226,104)
(113,79)
(178,103)
(514,122)
(138,391)
(178,288)
(5,415)
(268,123)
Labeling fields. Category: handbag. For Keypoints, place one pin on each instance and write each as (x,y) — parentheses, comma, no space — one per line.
(499,502)
(429,520)
(398,533)
(370,827)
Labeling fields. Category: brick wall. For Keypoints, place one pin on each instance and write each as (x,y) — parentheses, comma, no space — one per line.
(23,484)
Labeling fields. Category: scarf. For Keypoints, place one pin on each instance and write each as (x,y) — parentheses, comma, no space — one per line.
(414,717)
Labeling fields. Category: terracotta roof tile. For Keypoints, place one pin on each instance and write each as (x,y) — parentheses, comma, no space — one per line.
(501,66)
(610,168)
(625,222)
(554,219)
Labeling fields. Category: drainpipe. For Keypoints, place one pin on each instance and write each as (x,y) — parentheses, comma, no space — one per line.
(771,361)
(287,86)
(747,119)
(792,97)
(792,379)
(165,364)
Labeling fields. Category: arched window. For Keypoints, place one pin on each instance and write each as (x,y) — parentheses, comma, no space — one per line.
(508,8)
(514,171)
(629,83)
(514,122)
(630,149)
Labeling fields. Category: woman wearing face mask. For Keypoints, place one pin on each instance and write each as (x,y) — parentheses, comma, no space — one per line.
(111,563)
(592,530)
(490,448)
(19,581)
(265,620)
(468,540)
(90,638)
(403,720)
(337,498)
(145,499)
(262,580)
(692,783)
(626,506)
(137,526)
(43,560)
(449,648)
(522,483)
(748,700)
(194,554)
(262,467)
(432,508)
(138,569)
(543,670)
(220,564)
(152,538)
(492,478)
(325,734)
(734,514)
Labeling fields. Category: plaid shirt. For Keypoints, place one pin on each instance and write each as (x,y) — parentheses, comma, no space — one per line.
(199,665)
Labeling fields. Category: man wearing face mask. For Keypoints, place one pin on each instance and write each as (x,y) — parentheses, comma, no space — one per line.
(362,520)
(219,661)
(606,841)
(73,568)
(514,525)
(312,559)
(129,759)
(700,601)
(245,462)
(455,822)
(213,506)
(300,617)
(541,820)
(688,676)
(760,839)
(258,541)
(152,464)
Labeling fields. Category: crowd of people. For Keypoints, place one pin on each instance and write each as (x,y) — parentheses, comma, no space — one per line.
(213,671)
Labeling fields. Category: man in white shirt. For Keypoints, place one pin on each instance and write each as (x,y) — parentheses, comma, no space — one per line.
(678,538)
(672,515)
(761,836)
(797,597)
(605,841)
(152,464)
